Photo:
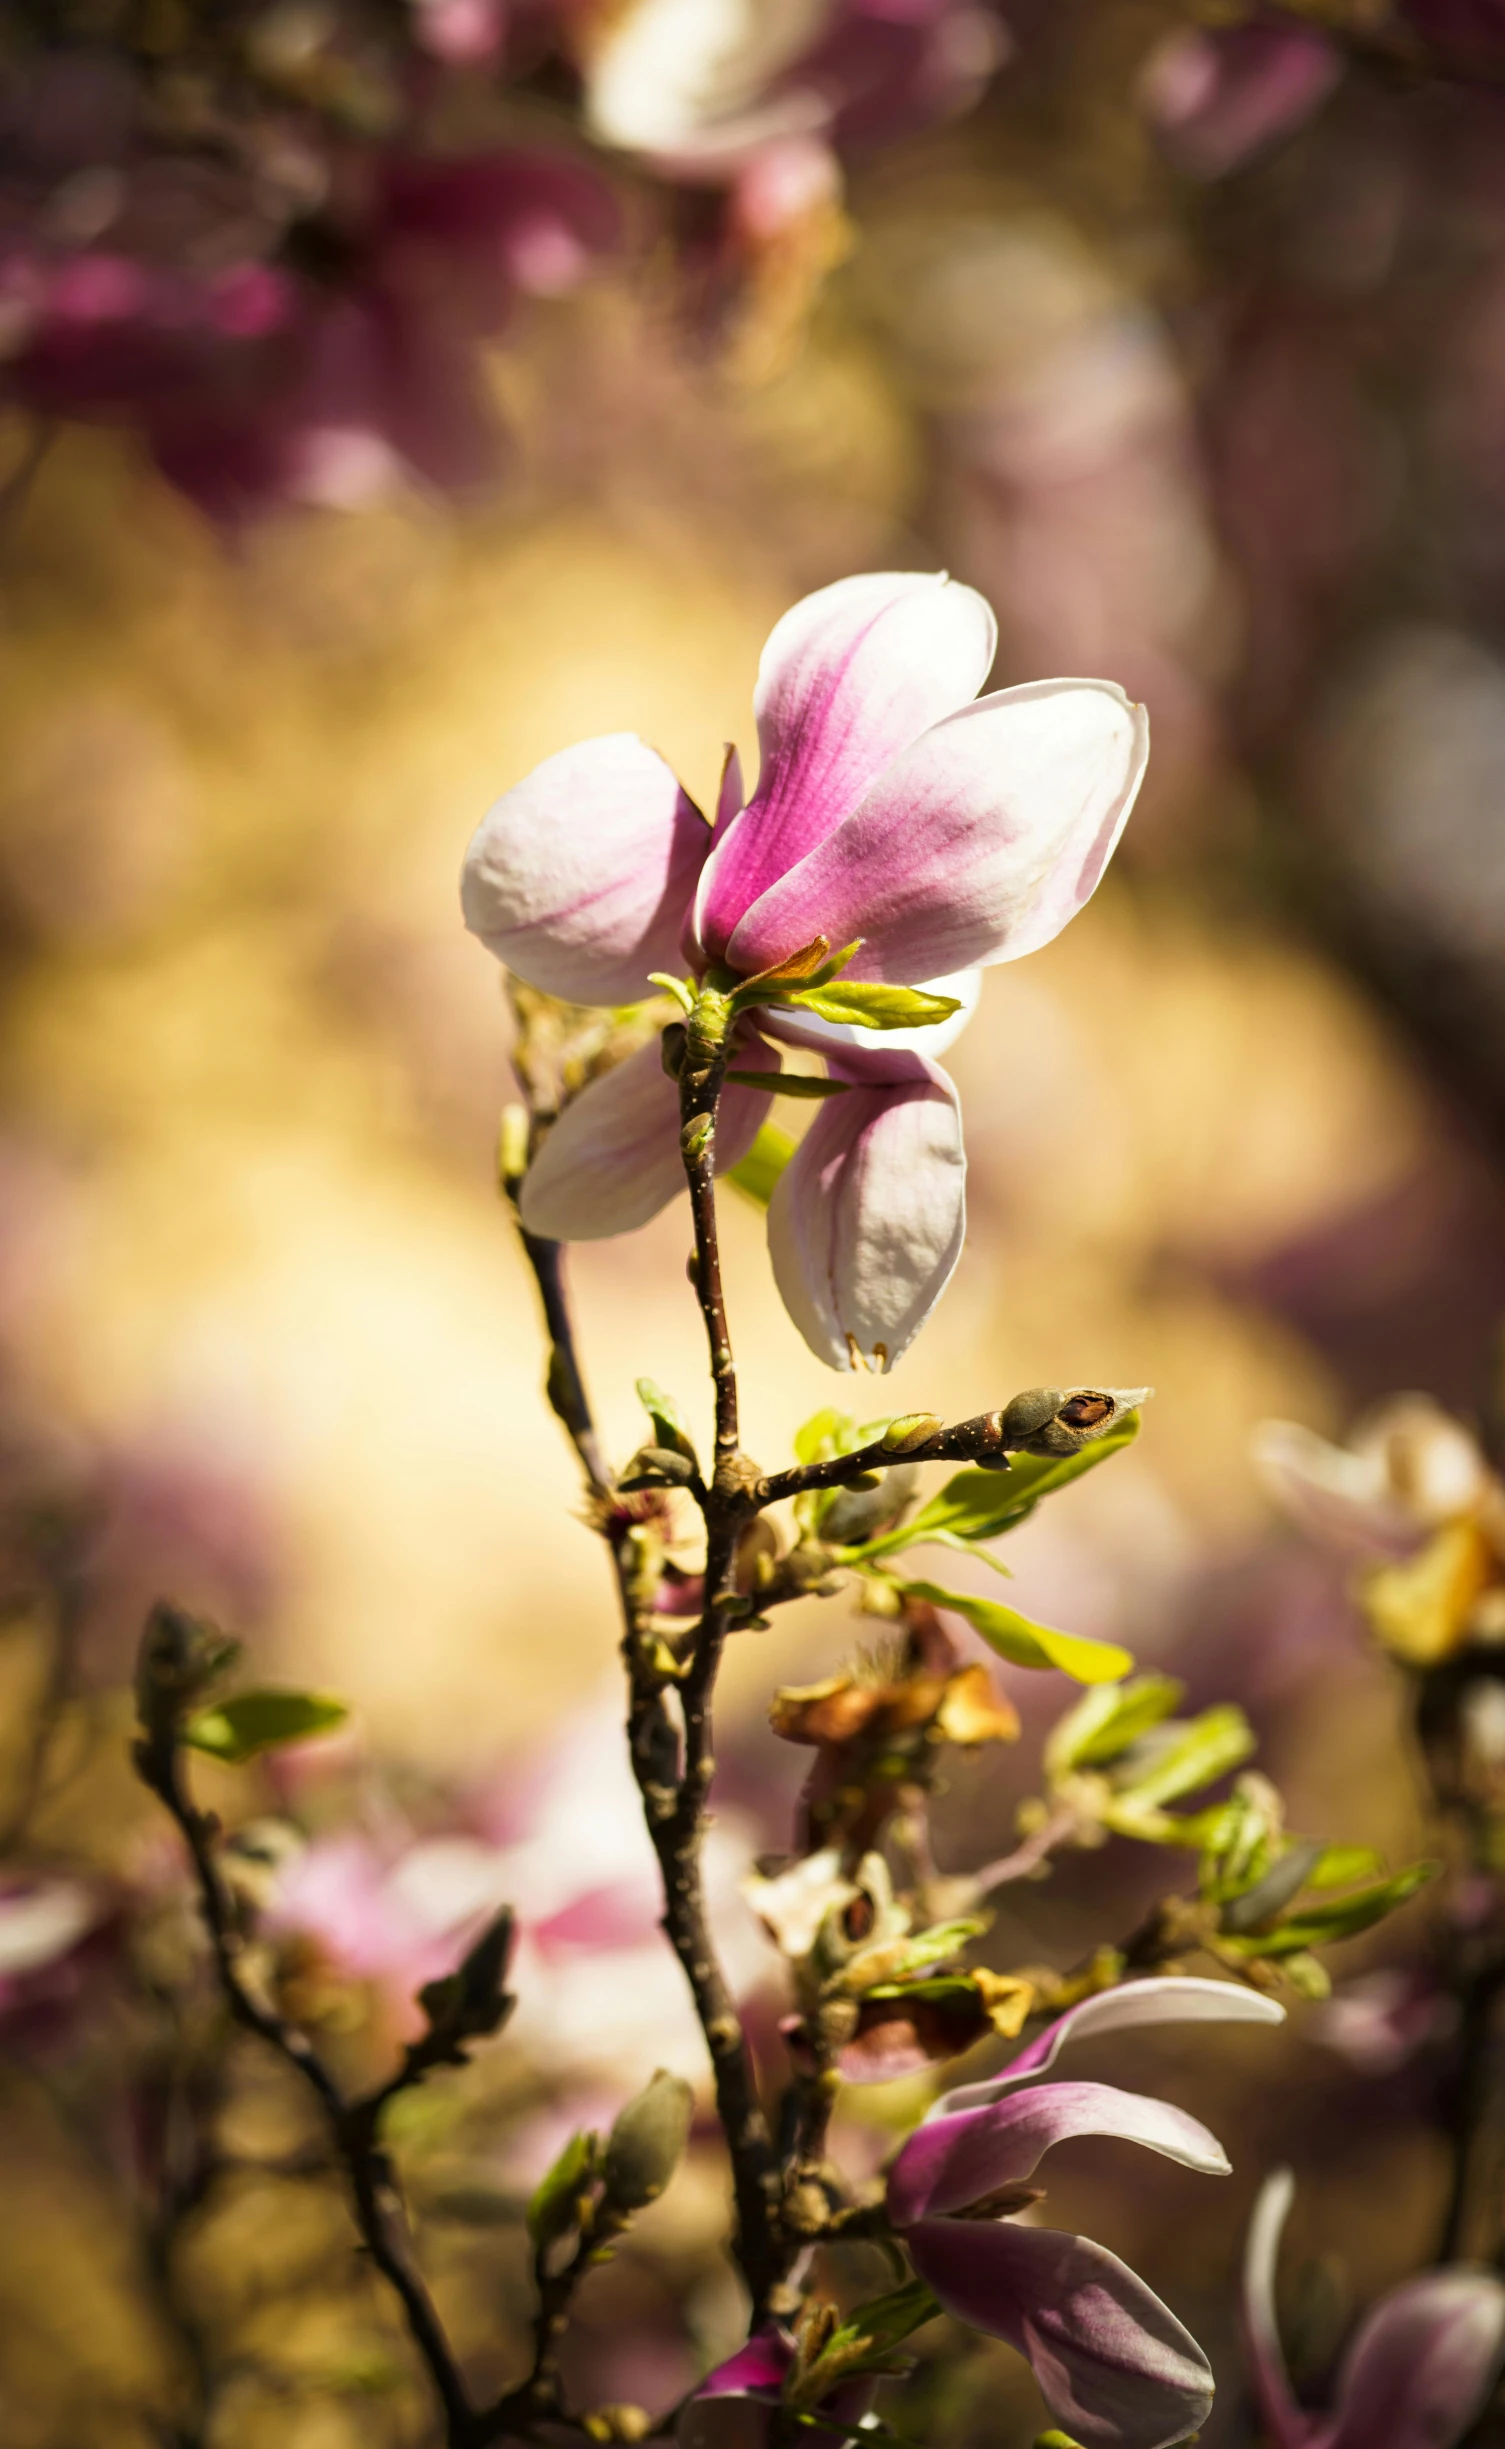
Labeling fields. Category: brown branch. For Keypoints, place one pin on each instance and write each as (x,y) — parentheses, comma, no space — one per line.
(354,2124)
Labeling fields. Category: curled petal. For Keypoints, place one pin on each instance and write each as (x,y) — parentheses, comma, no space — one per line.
(849,678)
(1115,2367)
(977,844)
(867,1222)
(612,1160)
(1423,2364)
(951,2162)
(1288,2426)
(580,876)
(760,2365)
(1181,1998)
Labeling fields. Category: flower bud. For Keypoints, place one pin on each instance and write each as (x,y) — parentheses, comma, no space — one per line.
(1059,1421)
(695,1138)
(179,1659)
(651,1466)
(647,2142)
(672,1049)
(911,1429)
(1028,1413)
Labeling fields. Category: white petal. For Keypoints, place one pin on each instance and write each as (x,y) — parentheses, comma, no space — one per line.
(582,874)
(612,1160)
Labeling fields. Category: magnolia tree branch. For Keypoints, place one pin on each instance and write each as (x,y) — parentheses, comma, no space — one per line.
(674,1767)
(1057,1423)
(354,2125)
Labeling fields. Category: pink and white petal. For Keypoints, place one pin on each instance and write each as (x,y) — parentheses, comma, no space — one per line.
(868,1220)
(977,844)
(951,2162)
(580,876)
(1288,2426)
(1114,2366)
(1423,2363)
(849,678)
(1180,1998)
(881,1054)
(612,1160)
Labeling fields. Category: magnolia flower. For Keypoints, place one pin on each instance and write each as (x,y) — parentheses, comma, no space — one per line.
(1413,1494)
(1115,2368)
(943,834)
(1417,2371)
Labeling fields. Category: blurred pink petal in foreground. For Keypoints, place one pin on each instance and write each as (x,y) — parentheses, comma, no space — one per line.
(1219,98)
(938,830)
(1417,2371)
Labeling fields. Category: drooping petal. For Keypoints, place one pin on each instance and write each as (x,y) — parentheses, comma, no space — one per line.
(1115,2367)
(849,678)
(869,1216)
(612,1160)
(951,2162)
(976,844)
(1288,2426)
(760,2365)
(580,876)
(1180,1998)
(1423,2363)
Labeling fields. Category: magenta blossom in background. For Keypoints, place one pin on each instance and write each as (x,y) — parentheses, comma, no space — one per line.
(1219,98)
(1114,2366)
(1417,2372)
(942,830)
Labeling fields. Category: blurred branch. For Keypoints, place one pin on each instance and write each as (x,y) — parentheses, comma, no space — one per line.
(457,2010)
(66,1593)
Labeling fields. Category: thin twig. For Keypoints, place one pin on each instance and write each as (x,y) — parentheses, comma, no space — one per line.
(353,2124)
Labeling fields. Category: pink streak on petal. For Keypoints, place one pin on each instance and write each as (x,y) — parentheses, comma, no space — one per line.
(612,1160)
(1115,2367)
(580,875)
(1423,2363)
(954,2161)
(1288,2427)
(977,844)
(1172,1999)
(868,1220)
(848,679)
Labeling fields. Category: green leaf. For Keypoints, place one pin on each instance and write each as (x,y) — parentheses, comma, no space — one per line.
(789,1084)
(854,1005)
(825,1434)
(1194,1754)
(1104,1723)
(864,2342)
(554,2207)
(1320,1925)
(1341,1865)
(906,1956)
(1029,1644)
(237,1729)
(680,988)
(668,1421)
(976,1505)
(758,1174)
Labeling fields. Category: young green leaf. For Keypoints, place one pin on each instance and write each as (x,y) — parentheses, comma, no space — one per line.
(1194,1754)
(757,1175)
(825,1433)
(1104,1723)
(1320,1925)
(554,2207)
(864,2342)
(235,1730)
(976,1505)
(1029,1644)
(668,1421)
(855,1005)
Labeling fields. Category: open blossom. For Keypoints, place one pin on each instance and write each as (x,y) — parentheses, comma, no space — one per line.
(1417,2371)
(895,808)
(1114,2366)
